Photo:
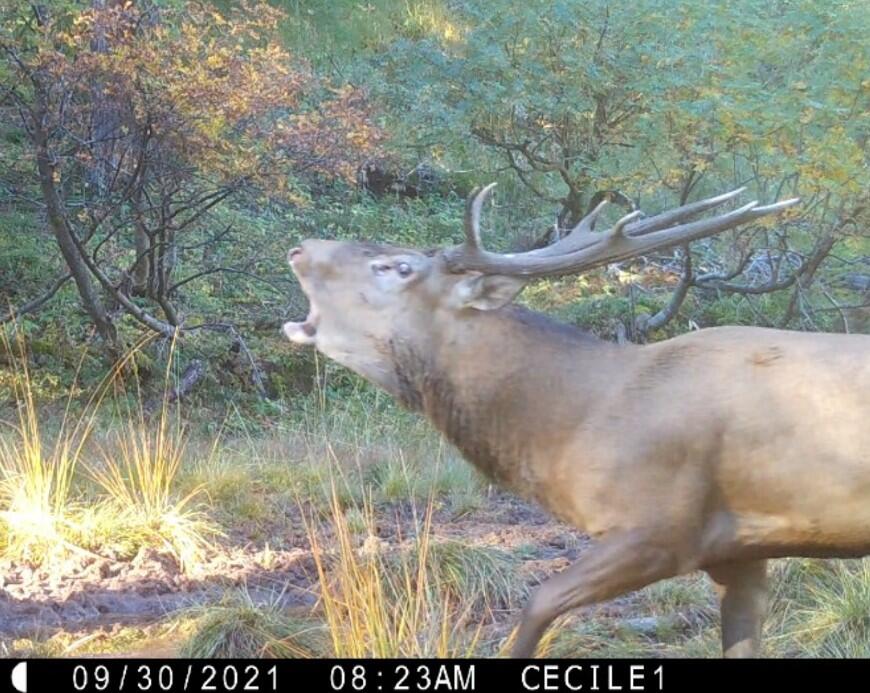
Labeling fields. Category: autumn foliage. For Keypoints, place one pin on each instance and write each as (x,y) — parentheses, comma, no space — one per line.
(214,93)
(143,118)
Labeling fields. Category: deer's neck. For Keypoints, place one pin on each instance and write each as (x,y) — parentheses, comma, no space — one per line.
(504,387)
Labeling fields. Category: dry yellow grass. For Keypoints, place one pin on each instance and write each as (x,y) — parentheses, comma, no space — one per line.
(43,515)
(376,609)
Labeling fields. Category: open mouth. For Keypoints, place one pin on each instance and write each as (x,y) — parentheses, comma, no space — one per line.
(303,332)
(306,331)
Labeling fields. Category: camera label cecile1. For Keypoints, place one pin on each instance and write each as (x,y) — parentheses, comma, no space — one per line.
(592,677)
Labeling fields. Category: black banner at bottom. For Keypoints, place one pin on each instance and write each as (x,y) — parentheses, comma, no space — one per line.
(388,675)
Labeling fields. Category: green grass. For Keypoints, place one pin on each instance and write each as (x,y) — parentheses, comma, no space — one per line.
(239,627)
(426,472)
(485,576)
(593,638)
(821,609)
(237,488)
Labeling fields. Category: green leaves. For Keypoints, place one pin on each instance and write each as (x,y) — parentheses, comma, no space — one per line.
(690,87)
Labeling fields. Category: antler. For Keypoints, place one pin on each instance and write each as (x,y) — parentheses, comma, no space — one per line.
(582,249)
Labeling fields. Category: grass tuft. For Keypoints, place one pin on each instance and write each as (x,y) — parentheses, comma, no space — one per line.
(138,477)
(239,628)
(479,575)
(35,474)
(379,606)
(42,515)
(821,609)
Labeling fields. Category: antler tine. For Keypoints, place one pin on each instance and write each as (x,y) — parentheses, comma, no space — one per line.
(578,237)
(581,236)
(673,216)
(585,224)
(777,206)
(619,227)
(473,207)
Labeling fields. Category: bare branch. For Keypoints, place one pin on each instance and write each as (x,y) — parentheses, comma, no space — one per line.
(143,316)
(775,283)
(805,273)
(227,270)
(37,302)
(669,312)
(256,374)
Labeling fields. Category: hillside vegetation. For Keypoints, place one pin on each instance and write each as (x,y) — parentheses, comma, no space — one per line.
(180,479)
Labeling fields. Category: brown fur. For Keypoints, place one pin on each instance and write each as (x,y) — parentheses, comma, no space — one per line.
(714,450)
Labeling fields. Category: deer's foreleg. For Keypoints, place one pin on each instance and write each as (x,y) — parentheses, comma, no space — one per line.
(742,589)
(612,567)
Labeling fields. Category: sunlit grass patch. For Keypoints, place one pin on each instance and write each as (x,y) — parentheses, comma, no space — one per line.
(34,495)
(128,501)
(138,478)
(238,627)
(36,472)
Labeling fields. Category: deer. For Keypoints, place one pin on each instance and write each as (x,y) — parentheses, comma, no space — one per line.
(712,451)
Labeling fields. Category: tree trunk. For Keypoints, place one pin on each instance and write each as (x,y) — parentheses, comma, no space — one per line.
(58,223)
(104,117)
(141,269)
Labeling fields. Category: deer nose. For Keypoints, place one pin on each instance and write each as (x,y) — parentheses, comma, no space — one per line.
(294,253)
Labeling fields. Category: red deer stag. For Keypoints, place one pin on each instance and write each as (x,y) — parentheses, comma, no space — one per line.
(715,450)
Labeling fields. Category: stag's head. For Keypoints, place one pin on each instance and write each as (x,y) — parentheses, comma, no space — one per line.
(367,298)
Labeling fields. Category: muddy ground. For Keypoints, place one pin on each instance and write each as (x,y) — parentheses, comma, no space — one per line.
(88,594)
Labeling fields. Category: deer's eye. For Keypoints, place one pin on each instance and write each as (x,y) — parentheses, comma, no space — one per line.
(404,269)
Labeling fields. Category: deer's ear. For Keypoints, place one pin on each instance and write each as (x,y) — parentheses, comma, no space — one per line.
(486,291)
